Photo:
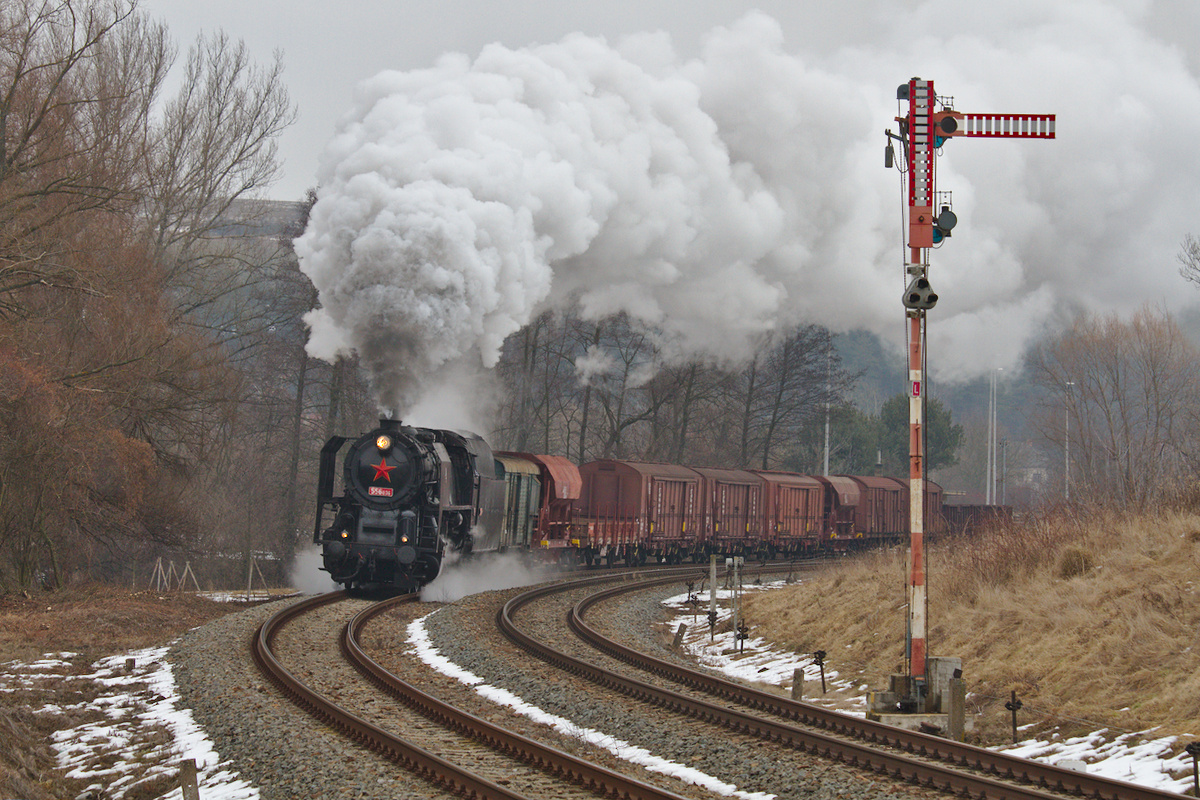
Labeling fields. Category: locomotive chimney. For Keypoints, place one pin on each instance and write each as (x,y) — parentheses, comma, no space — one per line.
(390,424)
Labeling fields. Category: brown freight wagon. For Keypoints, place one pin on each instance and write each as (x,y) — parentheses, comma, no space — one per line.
(896,529)
(795,512)
(882,508)
(840,517)
(734,512)
(970,519)
(881,512)
(632,511)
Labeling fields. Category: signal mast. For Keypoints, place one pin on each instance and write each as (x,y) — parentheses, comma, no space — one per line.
(930,121)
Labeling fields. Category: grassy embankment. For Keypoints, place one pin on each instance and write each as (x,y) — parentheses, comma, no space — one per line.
(1092,618)
(94,621)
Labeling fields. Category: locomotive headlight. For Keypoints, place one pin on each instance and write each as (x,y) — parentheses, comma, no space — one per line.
(404,540)
(345,534)
(383,443)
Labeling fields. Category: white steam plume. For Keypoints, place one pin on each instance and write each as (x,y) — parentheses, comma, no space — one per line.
(724,196)
(306,574)
(488,572)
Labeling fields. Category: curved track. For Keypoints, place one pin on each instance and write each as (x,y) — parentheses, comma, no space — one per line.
(561,766)
(905,755)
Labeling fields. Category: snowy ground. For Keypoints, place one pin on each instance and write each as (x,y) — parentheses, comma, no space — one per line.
(418,639)
(1138,757)
(143,724)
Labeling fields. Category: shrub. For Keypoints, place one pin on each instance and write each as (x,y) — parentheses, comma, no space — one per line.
(1074,562)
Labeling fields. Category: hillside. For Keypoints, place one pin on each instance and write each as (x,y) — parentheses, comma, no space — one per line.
(1093,619)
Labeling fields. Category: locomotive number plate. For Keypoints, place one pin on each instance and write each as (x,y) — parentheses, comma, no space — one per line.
(379,491)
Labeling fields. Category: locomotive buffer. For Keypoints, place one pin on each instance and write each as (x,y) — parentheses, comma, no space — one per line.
(931,693)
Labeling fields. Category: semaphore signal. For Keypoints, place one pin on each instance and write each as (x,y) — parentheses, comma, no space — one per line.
(929,123)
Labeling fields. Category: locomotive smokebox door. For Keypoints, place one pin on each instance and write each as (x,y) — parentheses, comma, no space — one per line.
(381,468)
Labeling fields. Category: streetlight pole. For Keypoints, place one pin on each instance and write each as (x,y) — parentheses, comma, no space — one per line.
(1004,471)
(991,496)
(1067,444)
(828,392)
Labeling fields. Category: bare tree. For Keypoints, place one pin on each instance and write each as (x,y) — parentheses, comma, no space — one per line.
(137,274)
(683,399)
(788,383)
(593,341)
(1189,259)
(212,151)
(75,83)
(536,374)
(1128,389)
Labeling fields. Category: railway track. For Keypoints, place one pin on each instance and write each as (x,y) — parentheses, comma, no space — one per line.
(905,756)
(558,774)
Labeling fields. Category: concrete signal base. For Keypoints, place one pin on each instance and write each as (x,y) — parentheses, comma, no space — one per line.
(938,707)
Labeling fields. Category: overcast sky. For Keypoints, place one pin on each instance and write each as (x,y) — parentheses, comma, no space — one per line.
(1092,220)
(328,47)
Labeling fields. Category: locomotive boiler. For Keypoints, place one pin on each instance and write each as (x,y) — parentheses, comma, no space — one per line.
(412,497)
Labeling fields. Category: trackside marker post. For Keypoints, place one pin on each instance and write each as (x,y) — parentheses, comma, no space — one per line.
(1014,705)
(712,597)
(1193,750)
(187,779)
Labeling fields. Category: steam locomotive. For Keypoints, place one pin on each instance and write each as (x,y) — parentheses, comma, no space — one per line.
(412,497)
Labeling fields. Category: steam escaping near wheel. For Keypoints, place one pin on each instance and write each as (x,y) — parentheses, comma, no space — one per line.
(484,573)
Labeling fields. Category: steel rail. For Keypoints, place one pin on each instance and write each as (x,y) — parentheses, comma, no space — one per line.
(851,740)
(436,770)
(549,759)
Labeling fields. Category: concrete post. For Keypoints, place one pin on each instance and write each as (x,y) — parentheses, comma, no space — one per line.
(956,709)
(187,779)
(679,636)
(798,683)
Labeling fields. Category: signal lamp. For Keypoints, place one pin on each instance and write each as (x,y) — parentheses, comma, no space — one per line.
(383,443)
(920,295)
(944,223)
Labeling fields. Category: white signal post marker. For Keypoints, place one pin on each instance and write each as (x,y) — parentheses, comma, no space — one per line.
(924,130)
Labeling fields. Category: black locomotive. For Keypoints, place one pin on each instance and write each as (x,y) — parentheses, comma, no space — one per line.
(412,496)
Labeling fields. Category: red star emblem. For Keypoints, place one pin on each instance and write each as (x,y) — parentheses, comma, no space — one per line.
(382,469)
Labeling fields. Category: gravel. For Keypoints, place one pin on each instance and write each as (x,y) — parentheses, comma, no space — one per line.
(272,744)
(287,754)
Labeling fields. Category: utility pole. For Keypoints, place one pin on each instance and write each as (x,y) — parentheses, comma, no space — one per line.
(828,391)
(993,475)
(929,122)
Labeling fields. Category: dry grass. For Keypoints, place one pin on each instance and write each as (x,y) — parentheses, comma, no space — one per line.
(94,621)
(97,620)
(1094,622)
